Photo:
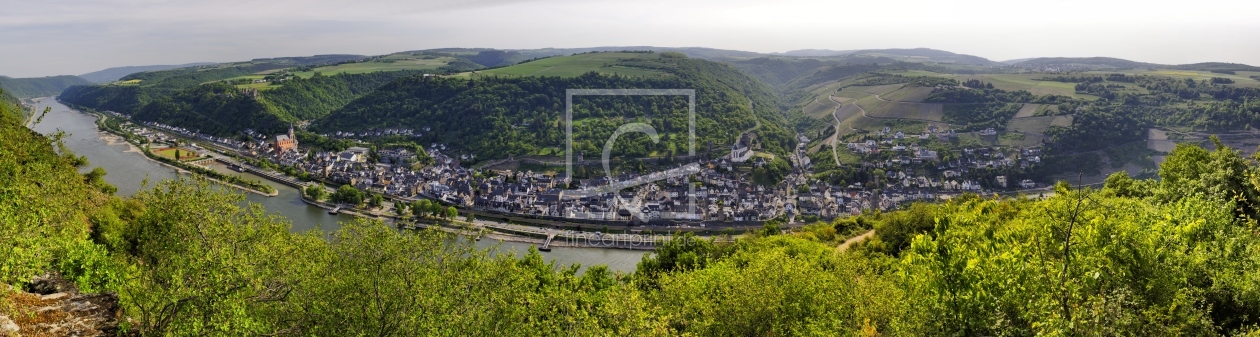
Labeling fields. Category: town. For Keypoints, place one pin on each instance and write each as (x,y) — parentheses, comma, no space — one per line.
(716,194)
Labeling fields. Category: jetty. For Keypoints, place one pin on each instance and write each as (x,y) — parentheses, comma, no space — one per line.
(546,246)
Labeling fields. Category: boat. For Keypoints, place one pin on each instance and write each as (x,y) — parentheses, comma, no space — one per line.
(335,210)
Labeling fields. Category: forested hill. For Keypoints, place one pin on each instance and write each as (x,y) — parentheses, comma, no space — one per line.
(115,73)
(38,86)
(222,109)
(495,116)
(1175,257)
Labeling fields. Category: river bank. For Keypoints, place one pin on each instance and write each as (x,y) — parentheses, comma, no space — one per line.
(132,174)
(113,137)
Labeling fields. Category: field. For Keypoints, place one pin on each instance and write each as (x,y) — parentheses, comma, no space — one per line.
(389,63)
(1064,121)
(1032,125)
(853,92)
(876,107)
(572,66)
(877,90)
(169,153)
(1012,82)
(1028,110)
(908,94)
(918,73)
(1241,79)
(820,109)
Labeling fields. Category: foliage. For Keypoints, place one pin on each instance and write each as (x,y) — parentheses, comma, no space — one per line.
(979,116)
(494,117)
(347,194)
(39,87)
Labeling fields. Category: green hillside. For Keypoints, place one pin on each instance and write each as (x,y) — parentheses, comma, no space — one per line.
(575,65)
(38,86)
(1178,256)
(496,116)
(186,77)
(222,109)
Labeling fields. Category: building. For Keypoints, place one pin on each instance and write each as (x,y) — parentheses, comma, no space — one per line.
(286,142)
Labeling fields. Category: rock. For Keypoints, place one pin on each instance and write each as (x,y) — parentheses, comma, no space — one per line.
(51,283)
(54,297)
(8,327)
(54,307)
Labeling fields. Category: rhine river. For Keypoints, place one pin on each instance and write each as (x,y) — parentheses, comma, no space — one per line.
(128,168)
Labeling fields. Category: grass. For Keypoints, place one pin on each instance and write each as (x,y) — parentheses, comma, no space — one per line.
(395,62)
(1012,82)
(916,111)
(1063,121)
(908,94)
(918,73)
(1241,79)
(169,153)
(820,109)
(1028,110)
(1034,125)
(576,65)
(259,86)
(853,92)
(879,89)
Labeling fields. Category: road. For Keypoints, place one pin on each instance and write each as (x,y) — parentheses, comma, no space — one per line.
(835,140)
(845,246)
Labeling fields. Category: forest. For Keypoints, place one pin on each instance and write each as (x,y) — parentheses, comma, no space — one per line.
(494,117)
(38,86)
(1174,256)
(219,108)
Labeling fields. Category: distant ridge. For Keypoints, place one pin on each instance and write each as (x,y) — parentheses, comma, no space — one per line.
(931,55)
(115,73)
(1117,63)
(816,52)
(38,86)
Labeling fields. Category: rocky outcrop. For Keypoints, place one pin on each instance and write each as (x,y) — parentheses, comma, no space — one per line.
(52,306)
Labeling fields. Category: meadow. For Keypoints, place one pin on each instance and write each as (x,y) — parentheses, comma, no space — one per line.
(876,107)
(1027,82)
(169,153)
(913,94)
(1241,79)
(389,63)
(575,65)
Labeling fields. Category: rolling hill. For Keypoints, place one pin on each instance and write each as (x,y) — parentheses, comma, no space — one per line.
(38,86)
(1116,63)
(222,109)
(113,74)
(494,116)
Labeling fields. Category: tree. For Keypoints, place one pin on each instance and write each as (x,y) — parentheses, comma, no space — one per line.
(451,212)
(349,195)
(377,201)
(315,191)
(420,207)
(400,208)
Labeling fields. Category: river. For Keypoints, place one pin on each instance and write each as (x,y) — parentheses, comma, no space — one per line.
(128,168)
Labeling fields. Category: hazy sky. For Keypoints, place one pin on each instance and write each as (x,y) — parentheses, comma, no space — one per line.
(52,37)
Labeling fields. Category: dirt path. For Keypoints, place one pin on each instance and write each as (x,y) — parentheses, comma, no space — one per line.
(845,246)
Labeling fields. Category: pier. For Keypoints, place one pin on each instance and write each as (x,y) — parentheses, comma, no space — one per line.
(546,246)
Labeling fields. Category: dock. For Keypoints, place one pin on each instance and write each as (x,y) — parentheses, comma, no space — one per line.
(546,246)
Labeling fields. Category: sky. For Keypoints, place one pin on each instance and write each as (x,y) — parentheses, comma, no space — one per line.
(72,37)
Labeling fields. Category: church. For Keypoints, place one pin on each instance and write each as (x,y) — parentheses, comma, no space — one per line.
(286,142)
